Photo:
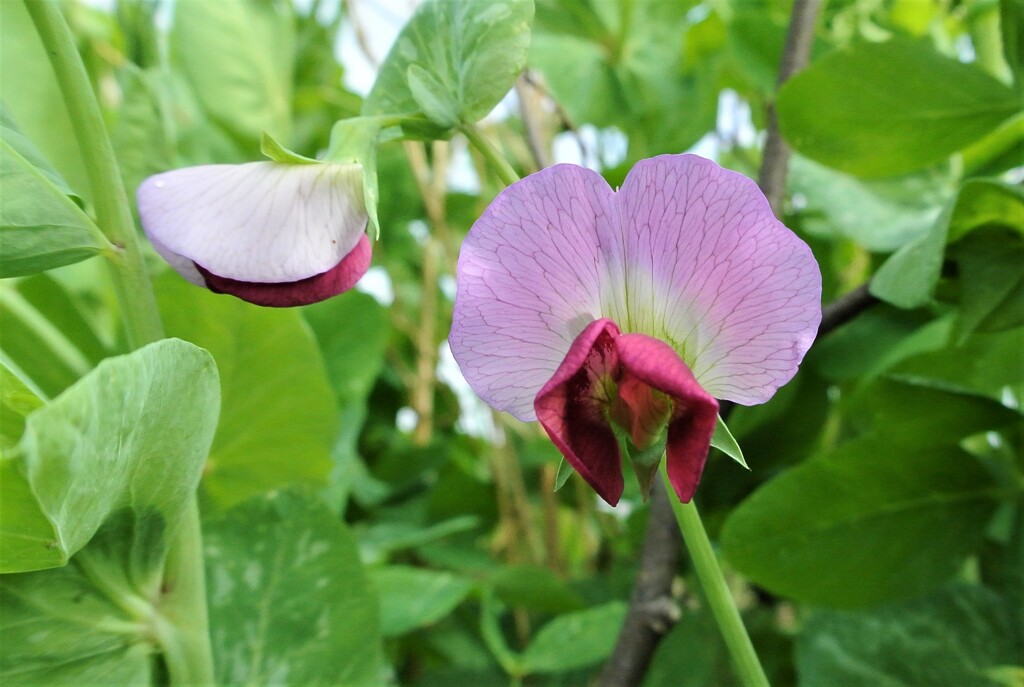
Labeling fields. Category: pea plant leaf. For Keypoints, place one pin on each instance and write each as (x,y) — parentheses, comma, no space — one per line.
(289,596)
(41,225)
(454,61)
(101,476)
(279,412)
(856,110)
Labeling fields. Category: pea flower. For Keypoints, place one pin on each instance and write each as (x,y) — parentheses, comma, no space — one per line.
(270,233)
(616,318)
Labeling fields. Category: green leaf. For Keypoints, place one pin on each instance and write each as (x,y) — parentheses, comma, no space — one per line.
(723,440)
(453,61)
(630,77)
(279,416)
(948,639)
(237,55)
(140,136)
(836,529)
(92,622)
(411,598)
(856,110)
(289,600)
(575,640)
(908,278)
(987,364)
(886,408)
(41,227)
(1011,25)
(880,215)
(17,400)
(133,433)
(535,588)
(990,277)
(32,96)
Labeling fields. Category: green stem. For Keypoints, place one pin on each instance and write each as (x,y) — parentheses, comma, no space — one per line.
(180,621)
(498,164)
(186,638)
(113,214)
(717,592)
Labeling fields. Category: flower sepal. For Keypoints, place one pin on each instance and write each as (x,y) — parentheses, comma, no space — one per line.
(645,461)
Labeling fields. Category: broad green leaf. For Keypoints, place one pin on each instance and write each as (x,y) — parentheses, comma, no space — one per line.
(886,408)
(279,416)
(864,523)
(880,215)
(94,621)
(633,77)
(17,400)
(465,56)
(411,598)
(951,638)
(377,541)
(990,280)
(40,226)
(237,56)
(140,135)
(574,640)
(353,362)
(908,278)
(856,110)
(1011,25)
(133,434)
(987,363)
(534,588)
(723,440)
(289,600)
(12,135)
(32,97)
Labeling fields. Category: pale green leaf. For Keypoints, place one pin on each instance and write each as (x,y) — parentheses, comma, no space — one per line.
(133,433)
(575,640)
(415,597)
(289,600)
(279,416)
(467,56)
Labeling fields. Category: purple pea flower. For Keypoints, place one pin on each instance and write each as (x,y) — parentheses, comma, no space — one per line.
(608,314)
(270,233)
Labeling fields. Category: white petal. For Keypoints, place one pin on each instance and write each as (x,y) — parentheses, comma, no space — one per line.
(257,222)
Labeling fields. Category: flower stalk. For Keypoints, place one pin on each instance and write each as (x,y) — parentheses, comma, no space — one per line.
(498,164)
(182,626)
(719,599)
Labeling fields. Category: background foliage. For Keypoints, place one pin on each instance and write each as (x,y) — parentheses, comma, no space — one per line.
(368,523)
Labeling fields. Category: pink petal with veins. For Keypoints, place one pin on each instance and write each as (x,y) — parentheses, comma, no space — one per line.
(686,252)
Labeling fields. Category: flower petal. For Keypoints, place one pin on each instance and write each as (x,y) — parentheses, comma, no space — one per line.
(575,420)
(694,410)
(341,277)
(706,266)
(256,222)
(530,274)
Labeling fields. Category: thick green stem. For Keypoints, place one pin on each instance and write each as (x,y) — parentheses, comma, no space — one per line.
(186,638)
(180,622)
(113,214)
(498,164)
(716,591)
